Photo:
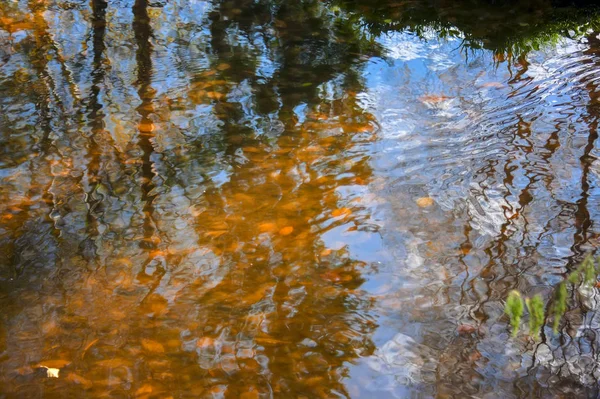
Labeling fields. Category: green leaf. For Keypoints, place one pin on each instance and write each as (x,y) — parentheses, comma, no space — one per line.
(589,271)
(514,309)
(535,307)
(560,305)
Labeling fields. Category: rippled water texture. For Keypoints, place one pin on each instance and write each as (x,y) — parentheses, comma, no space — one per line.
(238,199)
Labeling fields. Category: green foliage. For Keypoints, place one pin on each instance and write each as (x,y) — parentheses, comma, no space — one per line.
(514,309)
(535,307)
(589,271)
(560,305)
(512,28)
(585,274)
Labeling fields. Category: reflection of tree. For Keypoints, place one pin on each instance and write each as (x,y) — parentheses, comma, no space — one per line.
(506,271)
(233,287)
(279,192)
(509,29)
(215,266)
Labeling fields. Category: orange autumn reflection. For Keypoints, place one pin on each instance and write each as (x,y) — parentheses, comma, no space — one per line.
(150,262)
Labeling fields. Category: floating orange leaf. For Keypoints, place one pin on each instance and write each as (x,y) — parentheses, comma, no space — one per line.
(341,212)
(215,95)
(152,346)
(267,227)
(326,252)
(76,379)
(88,346)
(144,389)
(286,230)
(215,233)
(54,364)
(146,127)
(269,341)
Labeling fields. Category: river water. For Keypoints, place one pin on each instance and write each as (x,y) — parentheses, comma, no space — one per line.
(238,199)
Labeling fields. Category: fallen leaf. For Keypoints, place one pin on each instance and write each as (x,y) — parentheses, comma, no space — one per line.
(424,202)
(267,227)
(223,66)
(215,95)
(205,342)
(113,363)
(215,234)
(88,346)
(152,346)
(146,127)
(496,85)
(286,230)
(146,388)
(313,148)
(76,379)
(269,341)
(434,99)
(341,212)
(326,252)
(476,355)
(54,364)
(331,276)
(250,395)
(466,329)
(51,372)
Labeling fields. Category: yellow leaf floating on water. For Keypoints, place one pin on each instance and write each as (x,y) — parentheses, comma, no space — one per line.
(424,202)
(286,230)
(152,346)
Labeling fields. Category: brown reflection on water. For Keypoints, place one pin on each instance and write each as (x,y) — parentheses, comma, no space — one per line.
(145,262)
(258,199)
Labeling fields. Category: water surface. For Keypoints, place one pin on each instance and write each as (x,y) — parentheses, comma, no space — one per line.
(238,199)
